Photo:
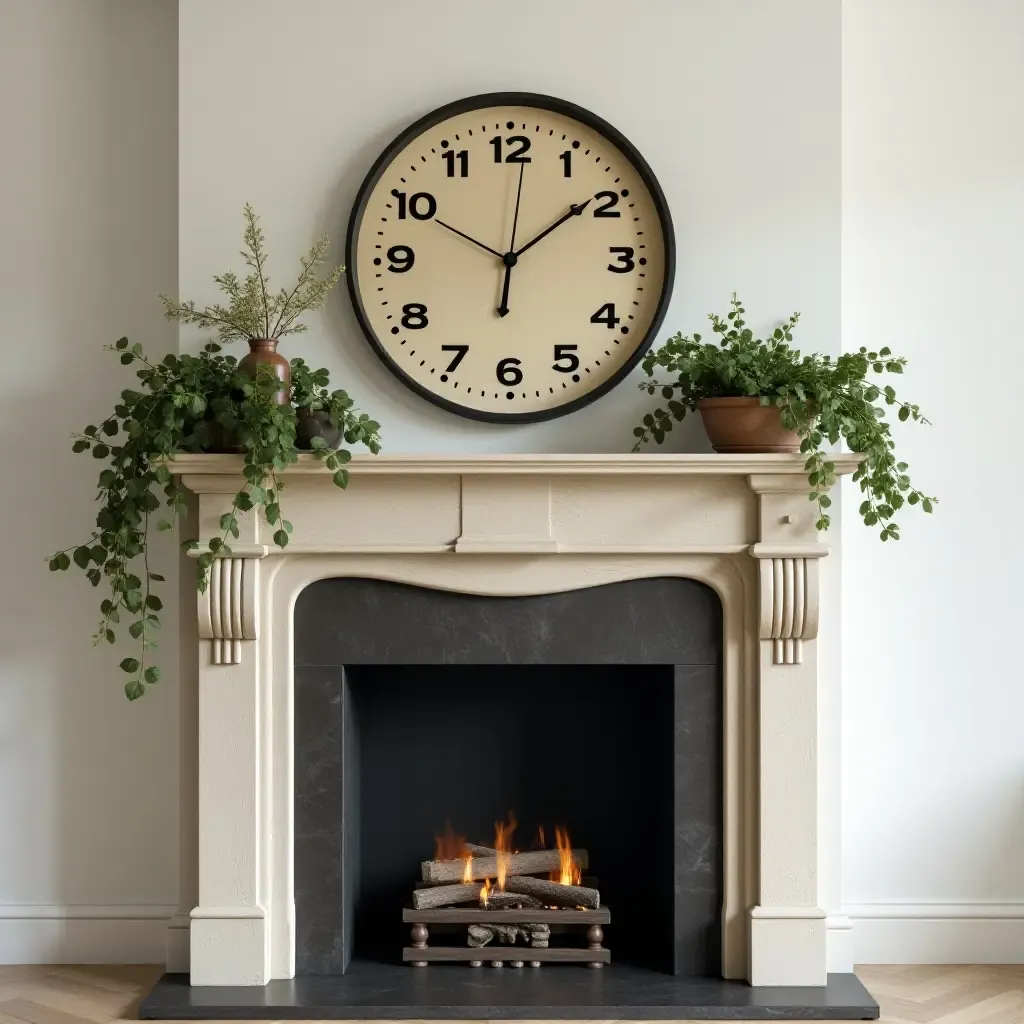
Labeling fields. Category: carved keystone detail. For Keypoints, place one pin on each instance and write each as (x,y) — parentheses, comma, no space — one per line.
(227,611)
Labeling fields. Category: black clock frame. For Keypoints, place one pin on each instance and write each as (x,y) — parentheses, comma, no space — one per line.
(541,102)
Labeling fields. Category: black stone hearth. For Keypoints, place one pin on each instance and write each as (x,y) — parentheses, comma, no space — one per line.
(599,709)
(371,991)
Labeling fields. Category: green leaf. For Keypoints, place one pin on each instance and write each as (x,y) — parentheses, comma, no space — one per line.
(130,665)
(152,674)
(164,524)
(136,629)
(80,445)
(134,690)
(281,538)
(100,451)
(154,602)
(341,478)
(110,636)
(63,562)
(82,556)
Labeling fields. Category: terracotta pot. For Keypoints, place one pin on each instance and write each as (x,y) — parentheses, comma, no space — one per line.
(743,425)
(310,424)
(263,352)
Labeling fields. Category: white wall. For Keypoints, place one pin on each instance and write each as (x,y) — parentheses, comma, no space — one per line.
(933,264)
(746,146)
(88,226)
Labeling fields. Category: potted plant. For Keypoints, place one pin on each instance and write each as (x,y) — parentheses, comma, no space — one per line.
(254,311)
(180,405)
(325,414)
(762,395)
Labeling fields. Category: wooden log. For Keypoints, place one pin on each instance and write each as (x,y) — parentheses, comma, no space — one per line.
(480,915)
(445,895)
(509,900)
(553,892)
(534,862)
(480,935)
(480,851)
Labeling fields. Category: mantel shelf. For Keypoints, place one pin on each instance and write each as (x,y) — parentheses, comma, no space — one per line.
(532,465)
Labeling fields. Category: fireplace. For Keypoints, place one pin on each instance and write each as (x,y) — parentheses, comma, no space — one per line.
(647,625)
(597,710)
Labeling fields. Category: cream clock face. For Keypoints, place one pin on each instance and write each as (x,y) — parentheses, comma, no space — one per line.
(510,257)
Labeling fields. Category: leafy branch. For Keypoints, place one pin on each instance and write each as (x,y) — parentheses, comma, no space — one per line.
(253,310)
(821,398)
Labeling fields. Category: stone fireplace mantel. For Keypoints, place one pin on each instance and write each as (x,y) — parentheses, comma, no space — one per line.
(507,526)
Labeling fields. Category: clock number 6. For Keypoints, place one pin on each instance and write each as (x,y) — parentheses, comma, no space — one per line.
(624,257)
(566,352)
(508,372)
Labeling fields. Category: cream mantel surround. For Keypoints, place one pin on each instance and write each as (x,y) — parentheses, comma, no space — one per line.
(504,525)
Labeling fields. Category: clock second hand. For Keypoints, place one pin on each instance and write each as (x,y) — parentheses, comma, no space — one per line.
(509,259)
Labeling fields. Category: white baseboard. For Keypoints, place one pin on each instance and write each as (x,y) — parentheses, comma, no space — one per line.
(54,934)
(937,933)
(866,933)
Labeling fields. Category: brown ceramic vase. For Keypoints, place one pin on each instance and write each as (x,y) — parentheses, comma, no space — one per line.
(263,352)
(742,425)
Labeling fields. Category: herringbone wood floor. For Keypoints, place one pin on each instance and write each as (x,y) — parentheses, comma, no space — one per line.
(908,995)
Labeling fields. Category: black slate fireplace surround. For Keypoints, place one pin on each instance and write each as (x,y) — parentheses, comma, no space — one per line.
(598,708)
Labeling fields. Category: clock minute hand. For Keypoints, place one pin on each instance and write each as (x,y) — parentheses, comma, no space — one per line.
(462,234)
(574,211)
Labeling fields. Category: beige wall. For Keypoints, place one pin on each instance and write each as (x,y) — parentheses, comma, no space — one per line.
(88,235)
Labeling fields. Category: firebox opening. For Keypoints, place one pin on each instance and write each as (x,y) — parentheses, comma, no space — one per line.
(588,747)
(598,709)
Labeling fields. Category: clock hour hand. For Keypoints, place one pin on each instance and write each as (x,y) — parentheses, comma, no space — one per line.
(574,211)
(463,234)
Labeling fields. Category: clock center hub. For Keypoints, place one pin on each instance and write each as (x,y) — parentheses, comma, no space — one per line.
(510,259)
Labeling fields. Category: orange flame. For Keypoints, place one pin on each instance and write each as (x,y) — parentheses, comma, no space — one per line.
(568,872)
(503,846)
(448,845)
(485,891)
(467,874)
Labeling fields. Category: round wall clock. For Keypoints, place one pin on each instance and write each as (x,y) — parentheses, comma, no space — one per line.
(510,257)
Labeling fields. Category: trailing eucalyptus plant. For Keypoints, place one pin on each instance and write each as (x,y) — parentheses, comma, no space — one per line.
(185,404)
(254,310)
(821,398)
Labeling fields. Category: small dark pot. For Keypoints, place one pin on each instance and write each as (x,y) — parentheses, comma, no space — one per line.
(263,352)
(310,424)
(743,425)
(219,441)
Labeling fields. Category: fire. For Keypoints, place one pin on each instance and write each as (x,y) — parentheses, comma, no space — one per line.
(568,872)
(485,892)
(449,846)
(503,846)
(467,874)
